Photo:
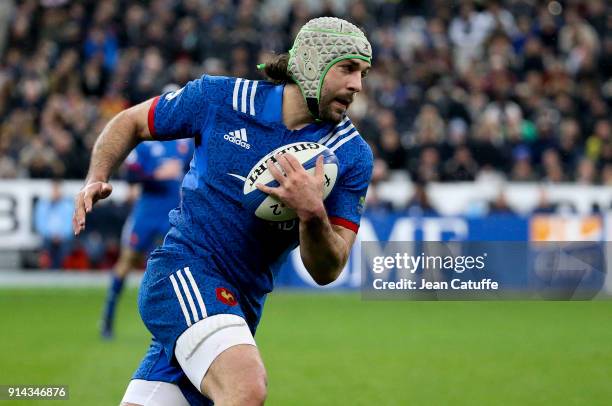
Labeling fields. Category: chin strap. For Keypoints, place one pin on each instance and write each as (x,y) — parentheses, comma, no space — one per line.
(313,106)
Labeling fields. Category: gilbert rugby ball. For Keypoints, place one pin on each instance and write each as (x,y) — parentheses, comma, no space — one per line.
(269,208)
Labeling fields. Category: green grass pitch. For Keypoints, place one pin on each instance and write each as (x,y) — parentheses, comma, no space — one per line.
(335,349)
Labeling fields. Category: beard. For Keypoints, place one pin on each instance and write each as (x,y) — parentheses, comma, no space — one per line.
(332,112)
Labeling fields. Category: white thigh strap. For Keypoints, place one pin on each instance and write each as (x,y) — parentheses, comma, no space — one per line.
(201,344)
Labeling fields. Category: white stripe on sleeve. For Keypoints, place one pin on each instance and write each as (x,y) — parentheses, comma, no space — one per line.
(235,95)
(245,88)
(253,91)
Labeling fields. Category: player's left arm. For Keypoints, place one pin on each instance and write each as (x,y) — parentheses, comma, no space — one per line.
(324,247)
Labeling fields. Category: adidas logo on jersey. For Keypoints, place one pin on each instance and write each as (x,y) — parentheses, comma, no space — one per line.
(238,137)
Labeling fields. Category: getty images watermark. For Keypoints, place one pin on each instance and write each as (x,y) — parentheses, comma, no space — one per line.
(474,270)
(423,264)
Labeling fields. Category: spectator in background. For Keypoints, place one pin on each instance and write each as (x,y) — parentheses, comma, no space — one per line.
(551,166)
(586,173)
(40,160)
(374,203)
(6,12)
(522,170)
(468,32)
(487,146)
(391,150)
(578,41)
(428,166)
(420,204)
(500,205)
(389,145)
(497,18)
(461,167)
(544,206)
(602,135)
(429,126)
(101,44)
(570,149)
(606,154)
(52,222)
(606,176)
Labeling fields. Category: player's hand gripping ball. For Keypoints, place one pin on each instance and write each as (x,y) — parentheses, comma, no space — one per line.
(268,207)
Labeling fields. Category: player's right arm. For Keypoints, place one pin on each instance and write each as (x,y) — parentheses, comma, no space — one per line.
(118,138)
(180,114)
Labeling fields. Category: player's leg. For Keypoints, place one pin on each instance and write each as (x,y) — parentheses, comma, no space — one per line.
(219,356)
(236,377)
(133,239)
(197,316)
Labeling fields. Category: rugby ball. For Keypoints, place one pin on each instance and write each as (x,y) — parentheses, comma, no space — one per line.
(269,208)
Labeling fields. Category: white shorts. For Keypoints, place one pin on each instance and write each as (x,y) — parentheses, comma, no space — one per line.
(153,393)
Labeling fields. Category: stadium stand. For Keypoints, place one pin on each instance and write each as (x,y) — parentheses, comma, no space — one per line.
(516,90)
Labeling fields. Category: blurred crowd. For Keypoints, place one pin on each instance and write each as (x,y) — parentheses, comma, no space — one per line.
(459,90)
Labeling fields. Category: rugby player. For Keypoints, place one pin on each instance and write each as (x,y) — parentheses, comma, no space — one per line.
(203,291)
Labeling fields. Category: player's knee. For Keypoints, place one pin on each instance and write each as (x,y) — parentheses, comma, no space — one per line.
(237,377)
(251,392)
(246,385)
(259,388)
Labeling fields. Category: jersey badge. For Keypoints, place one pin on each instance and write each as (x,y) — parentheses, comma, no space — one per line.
(226,297)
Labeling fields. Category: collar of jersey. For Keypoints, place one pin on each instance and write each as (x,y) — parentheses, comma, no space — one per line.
(273,112)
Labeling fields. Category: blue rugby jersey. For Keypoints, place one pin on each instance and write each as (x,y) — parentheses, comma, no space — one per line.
(235,122)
